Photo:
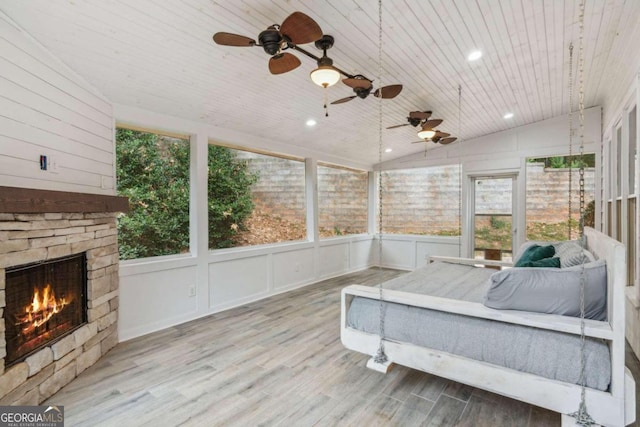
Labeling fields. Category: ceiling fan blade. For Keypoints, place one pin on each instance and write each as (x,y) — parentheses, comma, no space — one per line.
(388,92)
(357,83)
(300,29)
(422,115)
(442,134)
(430,124)
(228,39)
(446,141)
(343,100)
(283,62)
(435,139)
(397,126)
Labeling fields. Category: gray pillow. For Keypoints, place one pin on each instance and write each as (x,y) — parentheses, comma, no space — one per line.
(550,290)
(571,253)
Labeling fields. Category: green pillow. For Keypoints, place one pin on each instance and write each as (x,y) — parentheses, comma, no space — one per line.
(553,262)
(535,253)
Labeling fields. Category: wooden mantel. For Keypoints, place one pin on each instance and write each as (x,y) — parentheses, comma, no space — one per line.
(27,200)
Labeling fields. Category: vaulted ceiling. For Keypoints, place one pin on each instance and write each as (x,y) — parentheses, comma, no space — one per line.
(159,55)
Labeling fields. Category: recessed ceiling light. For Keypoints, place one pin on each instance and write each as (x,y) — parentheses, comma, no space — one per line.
(388,150)
(474,56)
(507,116)
(311,122)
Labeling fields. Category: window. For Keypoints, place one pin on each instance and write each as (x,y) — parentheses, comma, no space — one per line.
(254,198)
(547,196)
(342,201)
(422,201)
(152,170)
(618,165)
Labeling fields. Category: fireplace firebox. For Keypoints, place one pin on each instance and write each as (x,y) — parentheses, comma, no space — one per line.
(44,302)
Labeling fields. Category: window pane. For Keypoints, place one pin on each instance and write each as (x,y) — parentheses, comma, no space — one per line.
(153,172)
(422,201)
(342,201)
(254,199)
(618,163)
(547,196)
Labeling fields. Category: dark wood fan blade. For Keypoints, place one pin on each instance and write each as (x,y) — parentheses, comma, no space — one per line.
(343,100)
(228,39)
(300,29)
(430,124)
(435,139)
(422,115)
(397,126)
(283,62)
(388,92)
(442,134)
(446,141)
(357,83)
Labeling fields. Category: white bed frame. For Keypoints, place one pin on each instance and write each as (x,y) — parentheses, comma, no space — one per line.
(613,408)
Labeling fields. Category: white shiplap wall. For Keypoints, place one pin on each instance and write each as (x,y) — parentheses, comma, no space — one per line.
(46,109)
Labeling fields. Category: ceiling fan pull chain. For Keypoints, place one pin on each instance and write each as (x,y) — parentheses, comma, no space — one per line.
(326,104)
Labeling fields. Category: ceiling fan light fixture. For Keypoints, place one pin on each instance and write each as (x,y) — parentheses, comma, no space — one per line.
(325,76)
(426,134)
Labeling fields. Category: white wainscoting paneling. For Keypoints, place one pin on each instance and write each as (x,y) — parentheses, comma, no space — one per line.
(441,246)
(362,253)
(292,268)
(334,258)
(154,300)
(235,281)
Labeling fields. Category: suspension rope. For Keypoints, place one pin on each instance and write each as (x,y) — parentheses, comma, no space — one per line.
(380,356)
(570,137)
(582,415)
(459,175)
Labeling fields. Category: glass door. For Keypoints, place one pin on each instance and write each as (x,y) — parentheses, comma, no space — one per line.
(493,225)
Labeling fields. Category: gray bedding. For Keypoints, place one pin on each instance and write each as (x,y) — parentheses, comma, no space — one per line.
(549,354)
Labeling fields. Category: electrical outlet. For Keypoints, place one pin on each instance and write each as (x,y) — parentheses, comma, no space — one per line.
(192,291)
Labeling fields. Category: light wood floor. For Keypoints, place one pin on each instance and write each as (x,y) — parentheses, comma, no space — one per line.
(276,362)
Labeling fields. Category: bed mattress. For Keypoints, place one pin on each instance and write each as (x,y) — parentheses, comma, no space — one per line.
(550,354)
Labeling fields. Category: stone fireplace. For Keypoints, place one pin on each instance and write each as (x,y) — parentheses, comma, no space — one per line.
(63,245)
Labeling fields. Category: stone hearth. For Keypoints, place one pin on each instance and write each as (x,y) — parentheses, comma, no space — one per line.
(36,236)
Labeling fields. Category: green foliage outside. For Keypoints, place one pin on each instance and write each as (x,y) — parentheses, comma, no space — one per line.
(153,172)
(565,162)
(230,199)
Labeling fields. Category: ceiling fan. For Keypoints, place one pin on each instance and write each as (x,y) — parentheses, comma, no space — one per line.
(428,131)
(414,119)
(296,29)
(362,86)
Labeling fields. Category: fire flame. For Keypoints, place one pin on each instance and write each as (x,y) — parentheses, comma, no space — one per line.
(41,309)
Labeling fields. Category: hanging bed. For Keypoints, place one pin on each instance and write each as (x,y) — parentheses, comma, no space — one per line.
(438,319)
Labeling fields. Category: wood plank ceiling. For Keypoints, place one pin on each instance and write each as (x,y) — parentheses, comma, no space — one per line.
(159,55)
